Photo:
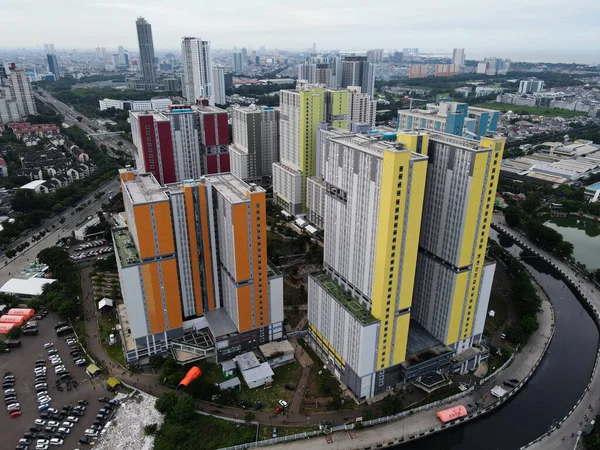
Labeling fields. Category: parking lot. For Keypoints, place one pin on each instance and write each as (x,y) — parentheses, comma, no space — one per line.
(92,249)
(21,362)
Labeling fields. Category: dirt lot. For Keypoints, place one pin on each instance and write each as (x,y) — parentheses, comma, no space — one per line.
(21,361)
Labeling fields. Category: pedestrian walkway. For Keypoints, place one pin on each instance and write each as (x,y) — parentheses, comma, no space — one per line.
(567,436)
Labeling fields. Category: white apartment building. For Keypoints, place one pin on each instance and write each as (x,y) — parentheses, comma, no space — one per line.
(458,57)
(16,97)
(361,108)
(156,104)
(255,144)
(219,85)
(197,70)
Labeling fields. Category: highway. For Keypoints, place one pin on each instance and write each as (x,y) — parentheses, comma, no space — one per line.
(86,124)
(9,268)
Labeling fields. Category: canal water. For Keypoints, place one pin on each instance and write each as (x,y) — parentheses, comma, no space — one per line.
(583,234)
(552,391)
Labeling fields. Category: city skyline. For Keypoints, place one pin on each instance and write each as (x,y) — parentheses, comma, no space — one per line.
(313,23)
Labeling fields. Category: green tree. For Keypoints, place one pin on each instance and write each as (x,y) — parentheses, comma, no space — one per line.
(183,411)
(513,216)
(249,417)
(14,333)
(166,403)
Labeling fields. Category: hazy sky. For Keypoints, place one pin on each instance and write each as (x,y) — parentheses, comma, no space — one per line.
(432,25)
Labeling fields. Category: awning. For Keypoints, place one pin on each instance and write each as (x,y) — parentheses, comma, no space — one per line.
(113,382)
(92,369)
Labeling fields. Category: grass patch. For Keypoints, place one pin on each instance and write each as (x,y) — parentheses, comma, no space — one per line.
(500,298)
(105,328)
(270,396)
(79,327)
(495,360)
(539,111)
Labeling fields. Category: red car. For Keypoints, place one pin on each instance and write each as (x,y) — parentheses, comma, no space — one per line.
(15,414)
(278,410)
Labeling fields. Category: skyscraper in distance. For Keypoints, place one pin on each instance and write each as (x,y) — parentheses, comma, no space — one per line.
(16,96)
(53,65)
(356,71)
(197,70)
(147,60)
(458,57)
(219,85)
(238,63)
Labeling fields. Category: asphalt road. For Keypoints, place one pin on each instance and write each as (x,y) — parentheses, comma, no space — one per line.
(10,268)
(70,118)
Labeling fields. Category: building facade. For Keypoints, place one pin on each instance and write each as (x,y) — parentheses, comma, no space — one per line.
(238,63)
(53,65)
(197,70)
(531,86)
(359,309)
(16,96)
(450,117)
(147,64)
(458,57)
(255,144)
(361,107)
(219,85)
(462,176)
(356,71)
(301,110)
(208,239)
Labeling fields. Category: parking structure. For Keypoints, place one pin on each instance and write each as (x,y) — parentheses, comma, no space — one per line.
(65,390)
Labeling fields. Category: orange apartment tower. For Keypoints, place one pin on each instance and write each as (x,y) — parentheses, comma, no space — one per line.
(193,267)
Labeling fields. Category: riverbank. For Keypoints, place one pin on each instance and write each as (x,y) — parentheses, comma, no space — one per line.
(422,422)
(565,435)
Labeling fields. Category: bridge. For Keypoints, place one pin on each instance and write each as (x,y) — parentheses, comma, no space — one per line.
(105,133)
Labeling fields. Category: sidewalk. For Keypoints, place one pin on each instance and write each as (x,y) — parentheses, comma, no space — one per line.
(589,404)
(426,422)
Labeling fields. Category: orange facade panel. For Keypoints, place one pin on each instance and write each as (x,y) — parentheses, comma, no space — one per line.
(171,290)
(239,216)
(153,295)
(145,233)
(259,258)
(244,296)
(164,228)
(191,225)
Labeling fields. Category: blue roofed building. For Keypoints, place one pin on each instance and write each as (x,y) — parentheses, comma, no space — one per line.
(450,117)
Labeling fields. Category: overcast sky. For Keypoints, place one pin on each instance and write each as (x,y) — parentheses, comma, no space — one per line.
(483,27)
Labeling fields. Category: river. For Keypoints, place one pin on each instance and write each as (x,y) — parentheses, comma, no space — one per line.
(552,391)
(583,234)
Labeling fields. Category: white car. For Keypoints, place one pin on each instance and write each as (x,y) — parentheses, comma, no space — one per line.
(44,400)
(73,419)
(67,424)
(41,447)
(42,442)
(49,344)
(91,433)
(53,423)
(56,441)
(42,394)
(9,391)
(40,422)
(64,430)
(13,405)
(283,403)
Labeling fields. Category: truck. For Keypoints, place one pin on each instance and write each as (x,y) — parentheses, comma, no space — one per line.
(31,331)
(13,343)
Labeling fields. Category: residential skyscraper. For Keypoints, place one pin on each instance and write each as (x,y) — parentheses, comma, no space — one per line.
(53,65)
(197,70)
(458,57)
(16,96)
(238,63)
(531,86)
(301,110)
(453,279)
(255,144)
(356,71)
(244,55)
(375,55)
(192,260)
(146,61)
(361,107)
(359,308)
(219,85)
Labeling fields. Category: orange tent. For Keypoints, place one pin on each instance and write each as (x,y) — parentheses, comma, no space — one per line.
(453,413)
(17,320)
(192,374)
(28,313)
(5,327)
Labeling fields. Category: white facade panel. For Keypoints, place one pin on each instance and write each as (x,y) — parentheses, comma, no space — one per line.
(483,300)
(133,298)
(276,300)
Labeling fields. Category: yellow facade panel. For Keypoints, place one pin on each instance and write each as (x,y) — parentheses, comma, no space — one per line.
(456,308)
(402,323)
(239,215)
(153,296)
(144,229)
(171,290)
(164,228)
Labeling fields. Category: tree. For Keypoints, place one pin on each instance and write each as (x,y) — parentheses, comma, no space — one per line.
(249,417)
(391,405)
(156,361)
(79,118)
(14,333)
(183,411)
(513,216)
(150,429)
(563,249)
(166,403)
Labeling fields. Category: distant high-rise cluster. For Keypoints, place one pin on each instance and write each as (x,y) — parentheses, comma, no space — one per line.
(16,96)
(494,66)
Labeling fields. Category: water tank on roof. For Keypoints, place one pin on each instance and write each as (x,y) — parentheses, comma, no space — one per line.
(389,136)
(373,131)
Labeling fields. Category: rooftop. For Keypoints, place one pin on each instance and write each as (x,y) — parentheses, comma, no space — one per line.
(276,348)
(246,361)
(374,145)
(158,117)
(28,287)
(125,247)
(232,188)
(220,323)
(33,184)
(346,300)
(144,189)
